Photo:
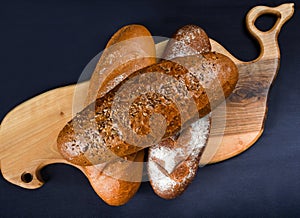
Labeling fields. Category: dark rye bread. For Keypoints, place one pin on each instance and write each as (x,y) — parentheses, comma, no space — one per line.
(92,137)
(173,163)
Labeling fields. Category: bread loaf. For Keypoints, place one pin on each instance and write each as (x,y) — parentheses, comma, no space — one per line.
(173,163)
(188,40)
(131,48)
(117,182)
(94,135)
(118,123)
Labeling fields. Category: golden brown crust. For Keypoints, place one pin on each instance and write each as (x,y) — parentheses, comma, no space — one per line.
(117,187)
(100,139)
(115,182)
(188,40)
(131,48)
(219,76)
(80,159)
(128,32)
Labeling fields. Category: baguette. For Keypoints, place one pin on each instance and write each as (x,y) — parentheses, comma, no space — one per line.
(173,163)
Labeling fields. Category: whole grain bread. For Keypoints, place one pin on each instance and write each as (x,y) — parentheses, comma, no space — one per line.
(95,135)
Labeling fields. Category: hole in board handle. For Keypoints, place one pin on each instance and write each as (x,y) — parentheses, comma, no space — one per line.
(266,22)
(26,177)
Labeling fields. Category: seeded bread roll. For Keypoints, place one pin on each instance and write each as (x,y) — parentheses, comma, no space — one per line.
(173,163)
(100,132)
(117,182)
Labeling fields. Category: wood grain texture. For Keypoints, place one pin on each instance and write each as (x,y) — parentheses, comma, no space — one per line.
(246,108)
(28,133)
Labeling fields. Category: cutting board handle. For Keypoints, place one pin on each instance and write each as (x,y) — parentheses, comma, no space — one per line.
(266,38)
(246,108)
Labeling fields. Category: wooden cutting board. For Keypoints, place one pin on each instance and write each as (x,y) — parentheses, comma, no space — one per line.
(28,133)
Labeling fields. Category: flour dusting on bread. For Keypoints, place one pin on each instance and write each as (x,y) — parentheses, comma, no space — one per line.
(177,154)
(188,40)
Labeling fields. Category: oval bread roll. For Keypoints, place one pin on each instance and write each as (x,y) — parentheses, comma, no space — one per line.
(173,163)
(131,48)
(117,182)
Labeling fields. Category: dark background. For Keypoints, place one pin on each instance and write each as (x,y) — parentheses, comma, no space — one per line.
(46,44)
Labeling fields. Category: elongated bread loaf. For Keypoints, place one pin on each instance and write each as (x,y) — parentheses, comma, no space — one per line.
(118,123)
(173,163)
(117,182)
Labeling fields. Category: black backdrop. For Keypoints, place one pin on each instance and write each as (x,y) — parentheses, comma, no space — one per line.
(46,44)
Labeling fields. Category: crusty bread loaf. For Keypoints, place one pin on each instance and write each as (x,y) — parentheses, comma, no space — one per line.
(173,163)
(98,136)
(188,40)
(129,49)
(117,182)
